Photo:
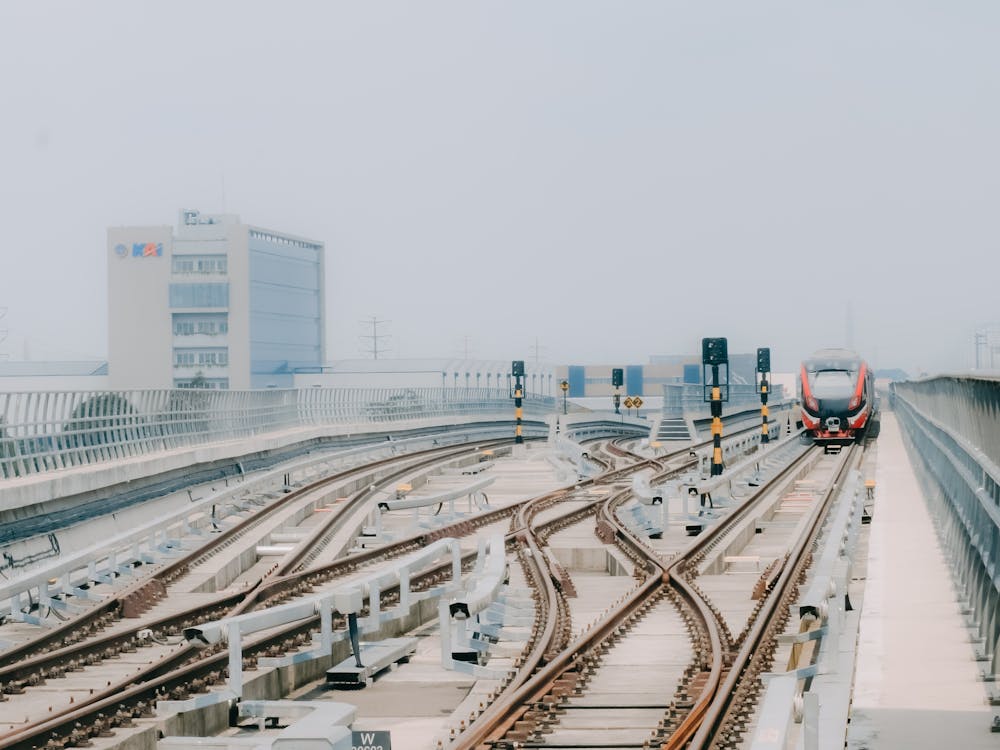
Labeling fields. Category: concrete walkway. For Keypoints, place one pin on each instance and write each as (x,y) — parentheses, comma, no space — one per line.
(916,684)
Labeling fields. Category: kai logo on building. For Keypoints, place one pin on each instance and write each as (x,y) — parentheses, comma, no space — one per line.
(147,249)
(140,250)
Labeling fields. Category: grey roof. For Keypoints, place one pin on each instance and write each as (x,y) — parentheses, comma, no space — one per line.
(46,369)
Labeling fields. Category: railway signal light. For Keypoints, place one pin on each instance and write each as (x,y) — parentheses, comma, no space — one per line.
(617,380)
(714,354)
(714,351)
(764,359)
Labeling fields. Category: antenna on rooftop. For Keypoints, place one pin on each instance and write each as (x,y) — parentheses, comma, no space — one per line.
(373,338)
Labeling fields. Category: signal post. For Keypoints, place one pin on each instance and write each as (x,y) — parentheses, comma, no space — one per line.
(617,380)
(714,354)
(517,370)
(764,368)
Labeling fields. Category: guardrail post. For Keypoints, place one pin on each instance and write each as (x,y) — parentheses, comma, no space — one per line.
(235,659)
(404,589)
(374,606)
(326,625)
(456,564)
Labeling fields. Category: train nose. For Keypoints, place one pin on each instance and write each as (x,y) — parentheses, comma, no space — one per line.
(833,424)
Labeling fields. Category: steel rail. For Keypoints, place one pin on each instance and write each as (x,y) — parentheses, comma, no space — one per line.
(119,693)
(49,663)
(765,621)
(174,675)
(31,657)
(690,732)
(506,710)
(503,715)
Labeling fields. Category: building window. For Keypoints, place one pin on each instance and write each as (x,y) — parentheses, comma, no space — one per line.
(199,295)
(201,357)
(192,324)
(213,384)
(214,264)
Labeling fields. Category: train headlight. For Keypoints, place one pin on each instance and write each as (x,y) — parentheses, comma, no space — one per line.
(855,402)
(812,404)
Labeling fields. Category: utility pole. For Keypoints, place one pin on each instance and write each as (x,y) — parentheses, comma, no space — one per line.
(538,350)
(3,332)
(980,338)
(374,337)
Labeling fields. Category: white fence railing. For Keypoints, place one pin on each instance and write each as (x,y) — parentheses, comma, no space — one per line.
(45,431)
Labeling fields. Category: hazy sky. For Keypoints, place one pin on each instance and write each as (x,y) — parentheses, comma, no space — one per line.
(617,179)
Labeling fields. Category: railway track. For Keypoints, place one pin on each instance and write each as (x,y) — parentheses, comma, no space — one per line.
(181,673)
(171,675)
(104,635)
(715,693)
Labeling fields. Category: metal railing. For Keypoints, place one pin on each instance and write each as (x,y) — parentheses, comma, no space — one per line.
(46,431)
(681,399)
(953,423)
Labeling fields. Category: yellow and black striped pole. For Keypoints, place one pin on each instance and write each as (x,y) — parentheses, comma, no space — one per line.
(716,423)
(517,370)
(764,436)
(518,412)
(763,367)
(714,353)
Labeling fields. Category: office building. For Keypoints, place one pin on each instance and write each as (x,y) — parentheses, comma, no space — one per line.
(212,303)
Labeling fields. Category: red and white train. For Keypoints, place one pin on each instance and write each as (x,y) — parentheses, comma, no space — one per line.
(837,393)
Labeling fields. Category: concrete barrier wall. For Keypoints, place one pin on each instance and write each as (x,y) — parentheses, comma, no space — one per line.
(952,428)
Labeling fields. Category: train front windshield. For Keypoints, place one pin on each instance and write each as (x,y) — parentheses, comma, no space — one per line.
(832,383)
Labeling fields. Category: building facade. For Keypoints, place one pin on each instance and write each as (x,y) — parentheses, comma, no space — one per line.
(212,303)
(648,380)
